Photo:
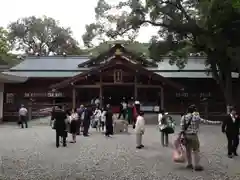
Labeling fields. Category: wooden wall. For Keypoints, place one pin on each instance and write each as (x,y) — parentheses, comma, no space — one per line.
(202,92)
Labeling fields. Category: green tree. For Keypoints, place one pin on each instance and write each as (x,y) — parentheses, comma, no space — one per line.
(42,35)
(5,57)
(4,45)
(185,26)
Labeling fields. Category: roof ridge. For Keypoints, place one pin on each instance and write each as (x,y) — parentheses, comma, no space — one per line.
(58,57)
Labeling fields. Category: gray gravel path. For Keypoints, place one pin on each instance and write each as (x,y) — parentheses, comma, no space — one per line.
(31,154)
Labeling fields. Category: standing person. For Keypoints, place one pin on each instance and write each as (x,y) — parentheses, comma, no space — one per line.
(73,125)
(60,125)
(23,116)
(189,127)
(123,110)
(52,116)
(140,129)
(109,121)
(130,113)
(230,126)
(97,119)
(162,122)
(136,111)
(80,112)
(103,118)
(87,120)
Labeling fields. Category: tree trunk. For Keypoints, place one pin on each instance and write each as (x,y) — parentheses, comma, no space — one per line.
(227,89)
(223,76)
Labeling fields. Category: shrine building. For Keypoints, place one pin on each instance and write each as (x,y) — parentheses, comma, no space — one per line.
(113,76)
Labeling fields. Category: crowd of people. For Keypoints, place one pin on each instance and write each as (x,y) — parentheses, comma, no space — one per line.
(79,120)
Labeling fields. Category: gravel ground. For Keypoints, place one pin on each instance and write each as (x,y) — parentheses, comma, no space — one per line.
(31,154)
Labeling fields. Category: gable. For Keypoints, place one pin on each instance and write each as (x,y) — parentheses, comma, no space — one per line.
(118,50)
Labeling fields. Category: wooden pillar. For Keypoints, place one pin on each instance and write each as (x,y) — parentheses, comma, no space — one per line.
(74,98)
(100,91)
(206,108)
(162,98)
(30,110)
(135,88)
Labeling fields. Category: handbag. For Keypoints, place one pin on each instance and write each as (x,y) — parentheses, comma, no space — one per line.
(168,130)
(178,152)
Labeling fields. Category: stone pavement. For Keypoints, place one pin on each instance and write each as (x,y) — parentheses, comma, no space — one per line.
(31,154)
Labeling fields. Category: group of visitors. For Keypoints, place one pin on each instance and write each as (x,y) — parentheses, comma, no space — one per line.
(187,137)
(79,120)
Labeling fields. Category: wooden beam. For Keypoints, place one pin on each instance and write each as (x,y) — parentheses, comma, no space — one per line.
(100,91)
(117,84)
(148,86)
(87,86)
(135,88)
(74,98)
(162,98)
(98,84)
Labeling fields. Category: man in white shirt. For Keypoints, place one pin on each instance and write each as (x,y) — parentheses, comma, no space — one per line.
(23,116)
(140,129)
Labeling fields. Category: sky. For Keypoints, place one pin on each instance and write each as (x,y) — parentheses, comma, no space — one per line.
(72,13)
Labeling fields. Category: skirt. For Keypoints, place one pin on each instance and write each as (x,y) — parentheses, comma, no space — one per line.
(73,127)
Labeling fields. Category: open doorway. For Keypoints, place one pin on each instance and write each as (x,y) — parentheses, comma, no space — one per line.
(115,94)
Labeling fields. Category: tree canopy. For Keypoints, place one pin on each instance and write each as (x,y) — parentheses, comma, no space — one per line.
(4,46)
(185,26)
(5,56)
(42,35)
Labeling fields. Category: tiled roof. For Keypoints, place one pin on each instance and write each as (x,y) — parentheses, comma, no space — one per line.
(10,78)
(43,74)
(194,63)
(72,62)
(189,74)
(60,66)
(51,63)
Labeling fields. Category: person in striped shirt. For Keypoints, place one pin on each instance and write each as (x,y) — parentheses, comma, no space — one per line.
(189,128)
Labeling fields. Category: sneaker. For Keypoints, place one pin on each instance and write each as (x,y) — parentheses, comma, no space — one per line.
(142,146)
(230,156)
(198,168)
(139,147)
(235,154)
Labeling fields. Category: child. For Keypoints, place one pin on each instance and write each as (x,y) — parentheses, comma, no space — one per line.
(140,129)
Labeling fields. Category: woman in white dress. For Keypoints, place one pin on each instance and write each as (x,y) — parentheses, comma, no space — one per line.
(97,119)
(73,125)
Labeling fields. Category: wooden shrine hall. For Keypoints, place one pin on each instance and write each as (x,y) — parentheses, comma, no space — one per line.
(116,76)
